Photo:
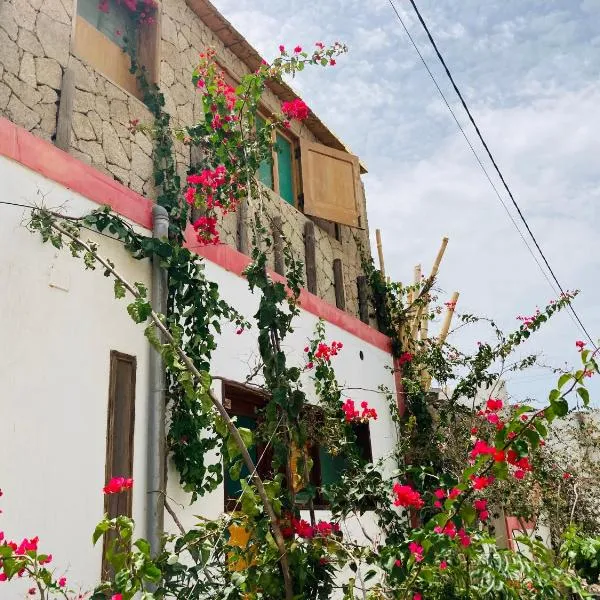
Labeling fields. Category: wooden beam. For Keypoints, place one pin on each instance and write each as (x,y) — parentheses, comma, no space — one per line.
(448,319)
(363,298)
(65,110)
(338,282)
(278,259)
(380,252)
(310,258)
(243,244)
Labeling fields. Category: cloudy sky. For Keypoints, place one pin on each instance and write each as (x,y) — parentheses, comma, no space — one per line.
(530,70)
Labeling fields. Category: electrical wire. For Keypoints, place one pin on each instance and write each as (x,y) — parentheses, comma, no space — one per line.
(573,313)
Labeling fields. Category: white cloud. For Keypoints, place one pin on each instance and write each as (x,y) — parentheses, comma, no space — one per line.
(529,72)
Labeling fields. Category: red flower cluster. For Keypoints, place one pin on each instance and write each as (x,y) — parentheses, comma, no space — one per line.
(521,464)
(407,497)
(303,529)
(579,345)
(206,228)
(146,10)
(416,550)
(117,485)
(481,507)
(295,109)
(405,357)
(355,416)
(480,482)
(324,352)
(529,321)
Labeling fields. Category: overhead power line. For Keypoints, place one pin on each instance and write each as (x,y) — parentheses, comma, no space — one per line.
(489,153)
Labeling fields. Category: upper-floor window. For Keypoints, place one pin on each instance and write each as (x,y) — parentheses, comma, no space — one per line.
(280,172)
(101,27)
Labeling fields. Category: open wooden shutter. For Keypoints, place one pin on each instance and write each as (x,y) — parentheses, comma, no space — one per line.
(330,182)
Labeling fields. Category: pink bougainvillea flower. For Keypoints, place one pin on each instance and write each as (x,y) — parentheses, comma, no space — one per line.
(103,6)
(117,597)
(474,430)
(454,493)
(481,482)
(484,515)
(320,45)
(580,345)
(62,581)
(295,109)
(3,577)
(282,49)
(465,540)
(405,357)
(407,497)
(332,62)
(519,474)
(416,550)
(417,596)
(438,504)
(481,447)
(31,591)
(398,562)
(480,504)
(117,485)
(443,565)
(494,404)
(567,476)
(440,494)
(298,49)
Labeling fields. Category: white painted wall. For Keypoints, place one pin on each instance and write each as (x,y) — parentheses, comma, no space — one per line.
(58,324)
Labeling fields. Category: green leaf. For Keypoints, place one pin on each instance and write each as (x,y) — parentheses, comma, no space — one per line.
(468,513)
(119,289)
(500,470)
(560,407)
(143,546)
(584,394)
(563,379)
(100,530)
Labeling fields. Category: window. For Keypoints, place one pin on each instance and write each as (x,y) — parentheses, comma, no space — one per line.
(285,168)
(280,173)
(245,404)
(119,435)
(328,469)
(100,28)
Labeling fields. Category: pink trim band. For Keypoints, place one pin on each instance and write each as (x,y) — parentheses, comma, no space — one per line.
(42,157)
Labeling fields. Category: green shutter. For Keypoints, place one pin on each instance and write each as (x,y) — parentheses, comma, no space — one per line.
(265,170)
(332,467)
(114,24)
(233,488)
(285,162)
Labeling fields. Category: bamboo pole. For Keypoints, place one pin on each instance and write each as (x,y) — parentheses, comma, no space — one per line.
(438,258)
(449,313)
(380,252)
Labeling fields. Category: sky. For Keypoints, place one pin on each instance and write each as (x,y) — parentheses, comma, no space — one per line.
(530,72)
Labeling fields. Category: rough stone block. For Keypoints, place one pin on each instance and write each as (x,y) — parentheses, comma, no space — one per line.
(9,53)
(141,163)
(55,10)
(48,114)
(113,92)
(7,20)
(27,70)
(113,149)
(96,122)
(82,156)
(119,111)
(21,114)
(102,108)
(54,37)
(143,142)
(26,93)
(119,174)
(48,72)
(136,184)
(83,101)
(82,127)
(167,76)
(94,150)
(84,79)
(28,41)
(4,95)
(24,14)
(168,29)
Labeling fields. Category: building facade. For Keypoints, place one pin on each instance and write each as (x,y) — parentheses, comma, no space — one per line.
(76,380)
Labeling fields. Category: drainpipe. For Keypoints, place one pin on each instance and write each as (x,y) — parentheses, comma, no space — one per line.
(156,448)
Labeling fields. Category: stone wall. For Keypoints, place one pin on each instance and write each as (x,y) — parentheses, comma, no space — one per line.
(35,50)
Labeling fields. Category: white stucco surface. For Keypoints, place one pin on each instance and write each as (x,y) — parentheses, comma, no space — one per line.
(58,324)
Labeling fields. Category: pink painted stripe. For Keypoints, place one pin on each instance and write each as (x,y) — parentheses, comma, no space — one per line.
(43,157)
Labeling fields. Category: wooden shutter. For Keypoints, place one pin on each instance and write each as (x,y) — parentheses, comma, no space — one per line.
(330,180)
(119,435)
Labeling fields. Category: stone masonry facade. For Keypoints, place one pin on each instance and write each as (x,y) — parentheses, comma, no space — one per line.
(35,51)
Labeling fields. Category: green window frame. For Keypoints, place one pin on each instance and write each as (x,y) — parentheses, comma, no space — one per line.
(285,168)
